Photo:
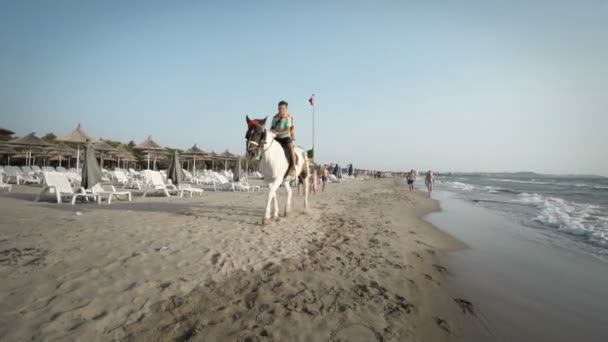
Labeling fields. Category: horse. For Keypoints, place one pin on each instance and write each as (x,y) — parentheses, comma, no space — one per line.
(274,165)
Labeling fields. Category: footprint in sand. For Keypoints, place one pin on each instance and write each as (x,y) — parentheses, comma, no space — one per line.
(214,258)
(430,278)
(266,317)
(422,243)
(23,257)
(416,254)
(355,333)
(440,268)
(465,306)
(443,324)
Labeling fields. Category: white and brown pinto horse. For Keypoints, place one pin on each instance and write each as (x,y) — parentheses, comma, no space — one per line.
(274,165)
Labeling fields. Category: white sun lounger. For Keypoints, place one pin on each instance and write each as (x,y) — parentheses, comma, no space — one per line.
(100,192)
(59,184)
(223,182)
(244,186)
(20,176)
(3,185)
(122,178)
(188,188)
(157,184)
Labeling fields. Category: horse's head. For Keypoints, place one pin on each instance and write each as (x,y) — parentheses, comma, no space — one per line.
(256,136)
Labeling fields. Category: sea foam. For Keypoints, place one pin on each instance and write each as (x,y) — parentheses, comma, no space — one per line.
(569,217)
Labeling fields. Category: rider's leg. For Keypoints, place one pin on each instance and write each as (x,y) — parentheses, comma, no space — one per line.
(292,163)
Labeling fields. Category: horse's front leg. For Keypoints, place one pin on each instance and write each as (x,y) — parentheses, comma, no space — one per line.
(306,187)
(272,193)
(287,186)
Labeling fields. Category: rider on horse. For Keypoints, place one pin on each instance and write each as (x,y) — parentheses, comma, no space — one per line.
(284,128)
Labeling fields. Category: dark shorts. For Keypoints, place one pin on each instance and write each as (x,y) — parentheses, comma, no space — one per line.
(284,141)
(410,181)
(324,179)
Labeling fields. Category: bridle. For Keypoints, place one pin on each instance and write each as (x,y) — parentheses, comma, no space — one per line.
(263,136)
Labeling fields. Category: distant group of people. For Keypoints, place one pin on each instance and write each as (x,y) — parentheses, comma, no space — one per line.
(429,180)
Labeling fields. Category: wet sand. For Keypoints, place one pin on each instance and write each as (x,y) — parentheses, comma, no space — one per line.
(360,265)
(527,285)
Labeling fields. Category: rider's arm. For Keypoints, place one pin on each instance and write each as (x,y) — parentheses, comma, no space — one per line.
(273,125)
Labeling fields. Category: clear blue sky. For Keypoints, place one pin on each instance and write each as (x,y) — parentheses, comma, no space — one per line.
(445,85)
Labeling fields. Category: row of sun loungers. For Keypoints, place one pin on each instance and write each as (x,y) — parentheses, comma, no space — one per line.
(65,184)
(57,184)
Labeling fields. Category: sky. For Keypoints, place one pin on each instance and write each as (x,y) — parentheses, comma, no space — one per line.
(441,85)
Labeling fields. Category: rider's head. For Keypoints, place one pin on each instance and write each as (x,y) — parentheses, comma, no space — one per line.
(283,107)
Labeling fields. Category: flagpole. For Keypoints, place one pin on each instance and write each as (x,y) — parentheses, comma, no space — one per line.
(312,103)
(313,133)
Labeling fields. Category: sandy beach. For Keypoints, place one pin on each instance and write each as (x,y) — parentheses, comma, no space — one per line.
(360,265)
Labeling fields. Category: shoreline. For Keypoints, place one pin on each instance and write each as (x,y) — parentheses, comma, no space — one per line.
(362,264)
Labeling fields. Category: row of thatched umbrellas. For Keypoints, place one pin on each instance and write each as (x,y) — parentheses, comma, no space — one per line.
(152,150)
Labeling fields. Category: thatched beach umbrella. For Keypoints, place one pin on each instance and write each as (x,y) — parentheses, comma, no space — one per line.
(5,134)
(128,159)
(7,150)
(29,142)
(151,148)
(123,154)
(155,156)
(102,147)
(91,173)
(195,153)
(213,156)
(59,151)
(4,131)
(78,137)
(175,172)
(226,156)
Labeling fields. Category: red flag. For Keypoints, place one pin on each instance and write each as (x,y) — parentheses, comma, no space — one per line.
(312,100)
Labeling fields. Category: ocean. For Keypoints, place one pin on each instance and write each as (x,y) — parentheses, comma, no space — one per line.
(571,211)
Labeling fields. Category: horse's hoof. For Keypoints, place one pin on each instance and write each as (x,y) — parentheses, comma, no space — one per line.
(264,221)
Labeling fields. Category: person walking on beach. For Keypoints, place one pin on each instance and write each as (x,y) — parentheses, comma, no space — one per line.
(284,128)
(324,177)
(314,180)
(429,181)
(411,177)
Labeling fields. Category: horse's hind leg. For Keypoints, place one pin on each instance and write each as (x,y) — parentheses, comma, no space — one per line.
(289,193)
(275,199)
